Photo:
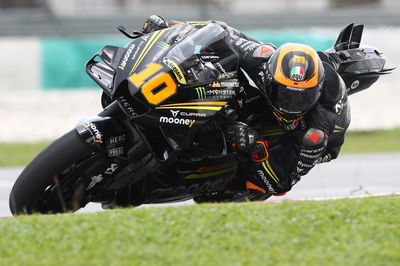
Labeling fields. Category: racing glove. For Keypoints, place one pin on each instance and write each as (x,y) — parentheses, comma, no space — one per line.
(242,137)
(154,23)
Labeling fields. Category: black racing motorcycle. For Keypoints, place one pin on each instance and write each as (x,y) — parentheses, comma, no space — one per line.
(162,134)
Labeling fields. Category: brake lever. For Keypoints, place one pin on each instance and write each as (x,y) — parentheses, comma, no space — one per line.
(136,34)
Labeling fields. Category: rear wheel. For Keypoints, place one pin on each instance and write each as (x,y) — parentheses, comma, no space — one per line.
(48,183)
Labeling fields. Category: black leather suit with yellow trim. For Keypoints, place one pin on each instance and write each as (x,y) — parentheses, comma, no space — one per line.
(292,153)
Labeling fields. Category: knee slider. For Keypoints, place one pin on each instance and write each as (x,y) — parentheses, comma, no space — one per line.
(314,137)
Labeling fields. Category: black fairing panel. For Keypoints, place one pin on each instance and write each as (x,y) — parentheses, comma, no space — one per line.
(359,65)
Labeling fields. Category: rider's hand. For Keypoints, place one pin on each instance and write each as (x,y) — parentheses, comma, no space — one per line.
(242,137)
(245,140)
(154,23)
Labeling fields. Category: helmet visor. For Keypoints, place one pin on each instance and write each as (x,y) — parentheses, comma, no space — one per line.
(293,102)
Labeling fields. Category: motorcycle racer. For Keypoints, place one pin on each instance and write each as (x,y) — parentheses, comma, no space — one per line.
(292,89)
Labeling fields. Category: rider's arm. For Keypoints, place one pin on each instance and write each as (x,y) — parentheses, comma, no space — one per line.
(156,22)
(276,169)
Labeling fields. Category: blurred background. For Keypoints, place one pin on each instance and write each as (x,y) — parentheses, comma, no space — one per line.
(44,45)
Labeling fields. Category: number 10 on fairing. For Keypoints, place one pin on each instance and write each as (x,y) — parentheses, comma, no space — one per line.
(149,87)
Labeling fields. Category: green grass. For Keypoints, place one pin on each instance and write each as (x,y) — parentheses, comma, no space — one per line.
(372,141)
(338,232)
(20,154)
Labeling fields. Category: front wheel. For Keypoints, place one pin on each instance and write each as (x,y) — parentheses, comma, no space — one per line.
(38,189)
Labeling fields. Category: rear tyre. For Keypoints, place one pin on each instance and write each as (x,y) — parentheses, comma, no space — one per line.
(28,193)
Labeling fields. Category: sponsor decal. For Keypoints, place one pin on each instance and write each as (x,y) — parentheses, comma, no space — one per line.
(220,67)
(339,107)
(251,47)
(230,83)
(216,85)
(294,88)
(240,41)
(299,170)
(297,73)
(126,57)
(221,92)
(303,165)
(354,84)
(263,51)
(310,156)
(162,45)
(115,151)
(314,137)
(266,181)
(240,102)
(172,34)
(289,112)
(175,112)
(319,150)
(117,140)
(266,49)
(262,76)
(192,114)
(177,71)
(194,188)
(209,57)
(299,59)
(360,53)
(95,180)
(98,138)
(249,100)
(137,50)
(227,75)
(128,107)
(185,32)
(110,170)
(201,92)
(177,121)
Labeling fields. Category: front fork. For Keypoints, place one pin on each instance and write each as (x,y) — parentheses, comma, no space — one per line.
(109,138)
(117,144)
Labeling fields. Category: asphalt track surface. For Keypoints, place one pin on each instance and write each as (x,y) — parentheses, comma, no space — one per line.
(349,175)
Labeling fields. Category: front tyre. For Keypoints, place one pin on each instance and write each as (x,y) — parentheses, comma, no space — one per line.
(30,192)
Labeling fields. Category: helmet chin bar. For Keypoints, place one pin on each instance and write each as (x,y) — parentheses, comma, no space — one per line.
(288,124)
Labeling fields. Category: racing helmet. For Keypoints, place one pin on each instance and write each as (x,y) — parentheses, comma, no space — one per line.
(295,78)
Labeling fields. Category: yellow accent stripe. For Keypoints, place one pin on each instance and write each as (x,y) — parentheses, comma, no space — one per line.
(272,134)
(147,48)
(339,127)
(273,175)
(196,103)
(191,107)
(223,171)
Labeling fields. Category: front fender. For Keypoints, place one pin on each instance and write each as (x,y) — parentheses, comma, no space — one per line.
(96,130)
